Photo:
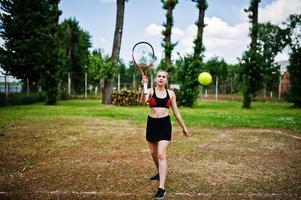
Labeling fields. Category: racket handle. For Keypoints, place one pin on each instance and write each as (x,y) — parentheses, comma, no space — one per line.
(145,88)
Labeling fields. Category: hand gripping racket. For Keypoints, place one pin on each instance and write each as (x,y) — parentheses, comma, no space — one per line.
(144,56)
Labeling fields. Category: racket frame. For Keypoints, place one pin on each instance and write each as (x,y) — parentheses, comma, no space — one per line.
(148,66)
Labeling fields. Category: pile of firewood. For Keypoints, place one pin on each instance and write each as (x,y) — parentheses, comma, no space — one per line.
(125,98)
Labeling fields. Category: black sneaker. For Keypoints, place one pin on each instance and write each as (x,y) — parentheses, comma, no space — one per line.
(156,177)
(160,194)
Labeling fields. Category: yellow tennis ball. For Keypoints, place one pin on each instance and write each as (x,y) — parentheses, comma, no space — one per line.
(205,78)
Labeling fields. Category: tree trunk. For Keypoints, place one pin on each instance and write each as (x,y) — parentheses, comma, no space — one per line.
(168,36)
(254,30)
(109,81)
(200,24)
(248,94)
(169,6)
(107,92)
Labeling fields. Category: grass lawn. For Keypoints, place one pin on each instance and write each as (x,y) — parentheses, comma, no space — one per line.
(81,149)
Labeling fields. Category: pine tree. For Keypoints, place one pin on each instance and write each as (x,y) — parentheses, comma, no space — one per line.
(251,63)
(168,46)
(29,29)
(49,71)
(198,42)
(190,67)
(271,39)
(294,68)
(74,46)
(22,26)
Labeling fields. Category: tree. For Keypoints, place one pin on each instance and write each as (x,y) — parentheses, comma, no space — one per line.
(218,68)
(23,29)
(272,39)
(188,70)
(233,72)
(198,42)
(99,67)
(49,71)
(294,68)
(169,6)
(74,52)
(135,75)
(123,74)
(109,81)
(251,63)
(190,67)
(29,30)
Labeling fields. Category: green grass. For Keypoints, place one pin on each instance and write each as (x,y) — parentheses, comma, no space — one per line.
(207,113)
(81,149)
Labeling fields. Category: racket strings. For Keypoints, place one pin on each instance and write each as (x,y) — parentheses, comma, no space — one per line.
(143,55)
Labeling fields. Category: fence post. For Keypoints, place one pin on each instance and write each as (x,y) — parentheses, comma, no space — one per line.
(279,89)
(152,80)
(264,91)
(231,88)
(201,92)
(86,85)
(69,85)
(101,87)
(234,90)
(27,81)
(6,89)
(134,82)
(118,85)
(216,88)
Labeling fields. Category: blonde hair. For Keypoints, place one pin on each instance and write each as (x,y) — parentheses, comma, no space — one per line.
(167,76)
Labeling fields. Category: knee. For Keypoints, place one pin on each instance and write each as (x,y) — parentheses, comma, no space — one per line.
(161,156)
(154,154)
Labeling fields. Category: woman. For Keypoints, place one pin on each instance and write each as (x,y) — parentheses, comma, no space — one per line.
(158,131)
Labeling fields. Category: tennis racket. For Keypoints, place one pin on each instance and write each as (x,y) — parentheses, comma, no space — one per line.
(143,56)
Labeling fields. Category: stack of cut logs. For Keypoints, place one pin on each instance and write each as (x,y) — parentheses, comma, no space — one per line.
(125,98)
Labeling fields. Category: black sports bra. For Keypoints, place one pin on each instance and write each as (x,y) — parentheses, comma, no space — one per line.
(154,101)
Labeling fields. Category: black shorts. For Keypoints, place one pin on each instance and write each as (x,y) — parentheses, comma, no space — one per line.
(158,129)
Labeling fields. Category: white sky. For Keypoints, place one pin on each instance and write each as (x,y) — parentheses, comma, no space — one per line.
(226,33)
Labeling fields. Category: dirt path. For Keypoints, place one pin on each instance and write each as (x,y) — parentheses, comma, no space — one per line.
(88,158)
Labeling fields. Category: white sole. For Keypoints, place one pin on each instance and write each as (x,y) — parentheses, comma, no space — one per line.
(162,197)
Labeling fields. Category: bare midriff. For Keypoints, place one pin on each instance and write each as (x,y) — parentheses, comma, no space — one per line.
(158,112)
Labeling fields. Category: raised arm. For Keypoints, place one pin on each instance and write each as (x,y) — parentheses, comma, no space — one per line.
(177,114)
(145,97)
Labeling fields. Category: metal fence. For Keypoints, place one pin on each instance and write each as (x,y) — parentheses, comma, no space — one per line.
(9,84)
(79,85)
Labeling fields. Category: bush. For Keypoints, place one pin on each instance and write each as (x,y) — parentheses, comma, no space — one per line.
(21,99)
(188,72)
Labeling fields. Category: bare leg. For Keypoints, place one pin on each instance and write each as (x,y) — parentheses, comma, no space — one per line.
(153,147)
(162,157)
